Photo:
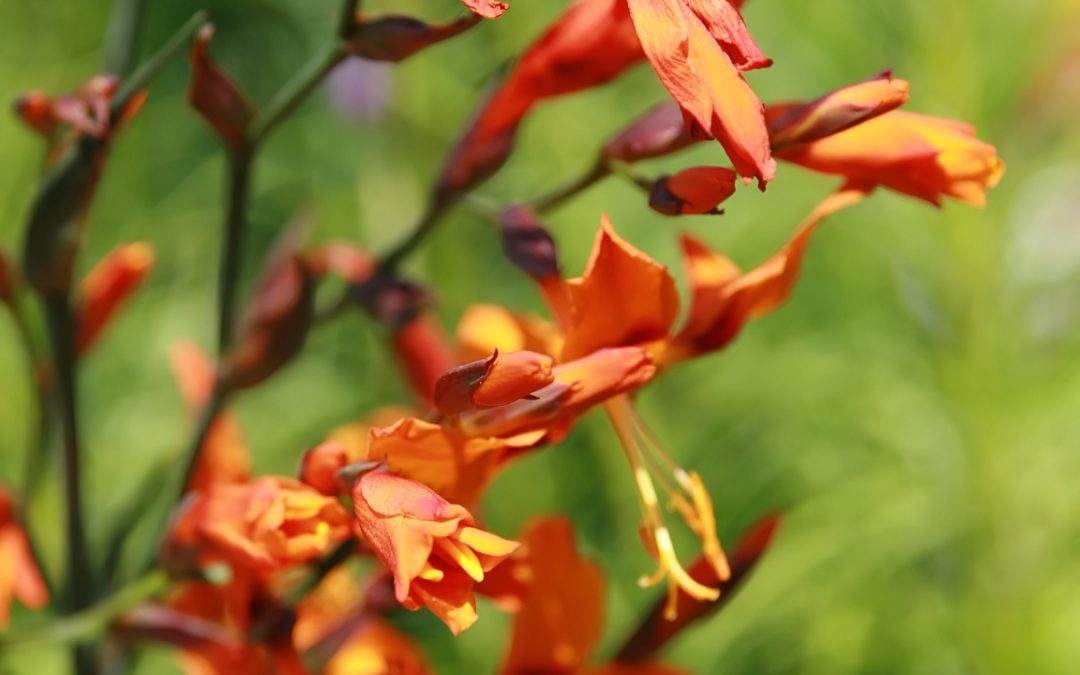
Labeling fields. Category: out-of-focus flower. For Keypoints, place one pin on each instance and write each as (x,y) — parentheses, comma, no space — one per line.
(396,38)
(489,9)
(560,615)
(84,111)
(360,89)
(432,547)
(224,457)
(19,575)
(275,324)
(269,523)
(696,47)
(697,190)
(919,155)
(216,96)
(111,281)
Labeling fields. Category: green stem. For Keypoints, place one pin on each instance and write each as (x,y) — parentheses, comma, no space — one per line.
(91,623)
(599,171)
(121,36)
(149,68)
(239,187)
(436,209)
(295,91)
(80,582)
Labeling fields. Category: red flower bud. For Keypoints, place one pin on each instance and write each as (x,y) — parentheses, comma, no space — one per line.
(396,38)
(492,382)
(528,244)
(215,96)
(7,280)
(661,131)
(697,190)
(107,286)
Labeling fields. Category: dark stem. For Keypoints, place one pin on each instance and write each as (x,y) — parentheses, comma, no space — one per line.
(239,187)
(347,21)
(60,325)
(438,206)
(553,199)
(121,36)
(295,91)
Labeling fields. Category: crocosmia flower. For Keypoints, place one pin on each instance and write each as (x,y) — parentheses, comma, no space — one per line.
(433,548)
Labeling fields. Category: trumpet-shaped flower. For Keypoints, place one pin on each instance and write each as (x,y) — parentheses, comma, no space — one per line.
(433,548)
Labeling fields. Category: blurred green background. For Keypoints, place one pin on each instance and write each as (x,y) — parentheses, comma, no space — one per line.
(914,411)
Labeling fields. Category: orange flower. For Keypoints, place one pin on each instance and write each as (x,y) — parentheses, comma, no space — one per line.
(270,523)
(19,575)
(112,281)
(224,457)
(918,155)
(561,613)
(697,48)
(590,44)
(432,547)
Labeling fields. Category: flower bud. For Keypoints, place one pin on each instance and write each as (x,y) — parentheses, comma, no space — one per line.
(215,96)
(396,38)
(528,244)
(7,280)
(835,111)
(697,190)
(661,131)
(492,382)
(107,286)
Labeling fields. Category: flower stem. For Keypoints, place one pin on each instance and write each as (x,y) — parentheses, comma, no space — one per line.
(235,227)
(121,36)
(599,171)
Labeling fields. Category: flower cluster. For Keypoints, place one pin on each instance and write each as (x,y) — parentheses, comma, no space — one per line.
(298,574)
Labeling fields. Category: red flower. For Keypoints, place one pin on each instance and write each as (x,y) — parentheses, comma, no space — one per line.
(19,575)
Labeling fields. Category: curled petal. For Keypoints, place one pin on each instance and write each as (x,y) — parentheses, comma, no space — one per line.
(836,111)
(623,298)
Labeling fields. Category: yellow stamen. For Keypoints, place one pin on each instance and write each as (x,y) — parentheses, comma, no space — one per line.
(462,556)
(431,573)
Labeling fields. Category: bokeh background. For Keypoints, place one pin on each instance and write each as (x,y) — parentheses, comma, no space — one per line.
(913,412)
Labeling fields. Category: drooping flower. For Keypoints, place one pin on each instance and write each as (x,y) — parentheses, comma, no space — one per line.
(697,190)
(19,575)
(559,606)
(919,155)
(432,547)
(696,47)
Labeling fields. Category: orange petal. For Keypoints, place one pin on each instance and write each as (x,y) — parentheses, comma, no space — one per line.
(562,617)
(483,329)
(726,25)
(926,157)
(112,281)
(590,44)
(723,303)
(624,298)
(702,79)
(489,9)
(836,111)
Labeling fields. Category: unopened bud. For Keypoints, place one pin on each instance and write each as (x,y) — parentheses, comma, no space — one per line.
(697,190)
(661,131)
(528,244)
(215,96)
(111,282)
(320,465)
(834,112)
(492,382)
(396,38)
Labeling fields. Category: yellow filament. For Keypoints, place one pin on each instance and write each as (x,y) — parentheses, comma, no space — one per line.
(463,556)
(622,417)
